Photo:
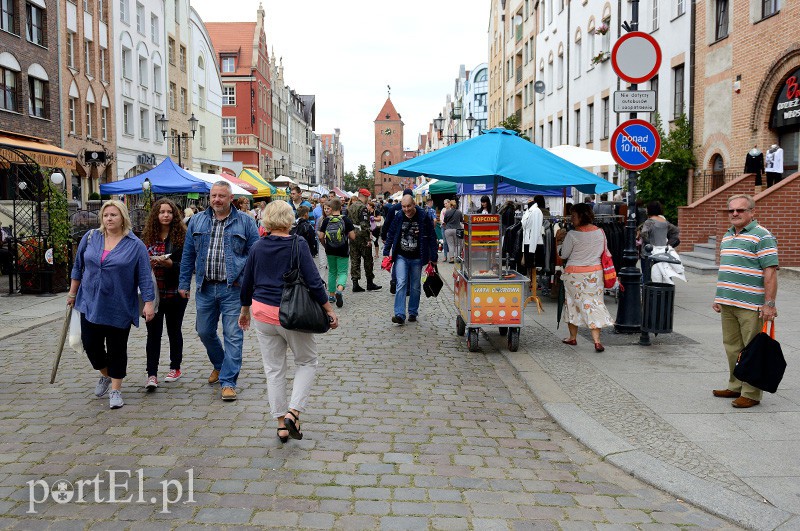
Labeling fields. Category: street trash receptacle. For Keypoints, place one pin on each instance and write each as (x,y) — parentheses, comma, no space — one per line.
(658,305)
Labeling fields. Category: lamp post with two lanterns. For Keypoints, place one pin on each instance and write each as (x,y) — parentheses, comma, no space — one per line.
(438,124)
(164,122)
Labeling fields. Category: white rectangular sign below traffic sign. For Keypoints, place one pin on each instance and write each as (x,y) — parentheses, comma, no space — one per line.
(635,101)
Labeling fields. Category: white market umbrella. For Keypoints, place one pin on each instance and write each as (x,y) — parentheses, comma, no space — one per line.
(586,158)
(214,177)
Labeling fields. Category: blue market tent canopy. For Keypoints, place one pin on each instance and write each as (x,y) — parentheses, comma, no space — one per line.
(166,178)
(505,189)
(498,156)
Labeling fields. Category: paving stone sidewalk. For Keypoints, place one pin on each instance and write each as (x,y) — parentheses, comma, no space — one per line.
(405,429)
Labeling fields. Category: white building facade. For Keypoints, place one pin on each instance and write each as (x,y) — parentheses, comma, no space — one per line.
(206,87)
(141,74)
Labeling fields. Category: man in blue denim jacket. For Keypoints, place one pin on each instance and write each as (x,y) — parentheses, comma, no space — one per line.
(217,243)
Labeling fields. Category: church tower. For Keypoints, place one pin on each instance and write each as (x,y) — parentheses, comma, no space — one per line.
(388,147)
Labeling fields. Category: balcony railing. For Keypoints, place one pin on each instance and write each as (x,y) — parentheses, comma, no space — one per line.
(243,142)
(519,74)
(707,181)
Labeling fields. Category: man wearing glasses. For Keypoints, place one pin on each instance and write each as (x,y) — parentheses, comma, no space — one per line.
(746,289)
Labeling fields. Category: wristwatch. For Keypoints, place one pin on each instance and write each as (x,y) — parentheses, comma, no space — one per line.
(771,304)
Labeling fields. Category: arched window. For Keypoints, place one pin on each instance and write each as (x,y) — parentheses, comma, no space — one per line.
(717,171)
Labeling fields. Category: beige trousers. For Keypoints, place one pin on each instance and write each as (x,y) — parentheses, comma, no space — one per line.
(739,327)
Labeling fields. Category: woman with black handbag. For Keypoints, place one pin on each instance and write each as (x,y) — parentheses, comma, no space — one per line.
(281,265)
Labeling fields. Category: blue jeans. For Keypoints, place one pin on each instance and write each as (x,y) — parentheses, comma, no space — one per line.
(215,300)
(409,279)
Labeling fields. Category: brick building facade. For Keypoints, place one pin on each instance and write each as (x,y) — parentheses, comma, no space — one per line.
(388,148)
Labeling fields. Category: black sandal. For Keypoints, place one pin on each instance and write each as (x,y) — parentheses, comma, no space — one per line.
(283,439)
(293,425)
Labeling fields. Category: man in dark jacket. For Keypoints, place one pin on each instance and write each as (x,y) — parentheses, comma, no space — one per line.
(412,245)
(391,211)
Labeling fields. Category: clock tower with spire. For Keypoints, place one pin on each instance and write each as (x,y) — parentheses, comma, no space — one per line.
(388,147)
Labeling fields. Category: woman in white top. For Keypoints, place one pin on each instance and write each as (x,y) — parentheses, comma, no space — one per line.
(583,275)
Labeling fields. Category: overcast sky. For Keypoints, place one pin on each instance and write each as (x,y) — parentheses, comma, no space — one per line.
(346,52)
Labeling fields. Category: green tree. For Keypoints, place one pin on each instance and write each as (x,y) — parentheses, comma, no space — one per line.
(512,123)
(666,182)
(361,179)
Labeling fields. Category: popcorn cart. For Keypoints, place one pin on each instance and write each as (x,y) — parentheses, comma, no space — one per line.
(485,294)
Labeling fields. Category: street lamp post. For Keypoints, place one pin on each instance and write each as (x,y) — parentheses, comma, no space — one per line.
(282,161)
(182,136)
(438,124)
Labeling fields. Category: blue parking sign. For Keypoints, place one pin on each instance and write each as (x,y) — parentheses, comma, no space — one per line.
(635,145)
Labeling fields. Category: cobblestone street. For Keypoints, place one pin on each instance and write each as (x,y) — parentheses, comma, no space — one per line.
(406,429)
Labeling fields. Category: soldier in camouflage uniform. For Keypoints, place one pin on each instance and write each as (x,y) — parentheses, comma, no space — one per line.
(361,247)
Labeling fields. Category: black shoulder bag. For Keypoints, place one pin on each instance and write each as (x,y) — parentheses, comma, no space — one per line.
(298,310)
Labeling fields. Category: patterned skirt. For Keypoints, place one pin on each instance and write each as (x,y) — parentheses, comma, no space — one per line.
(584,304)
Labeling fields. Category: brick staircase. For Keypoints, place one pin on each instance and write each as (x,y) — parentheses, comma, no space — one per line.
(702,259)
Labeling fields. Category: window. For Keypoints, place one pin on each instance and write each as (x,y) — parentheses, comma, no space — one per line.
(8,16)
(578,56)
(71,111)
(157,79)
(590,38)
(677,93)
(144,124)
(550,133)
(541,16)
(36,25)
(177,11)
(70,49)
(606,38)
(89,119)
(104,123)
(560,70)
(541,135)
(201,64)
(229,95)
(721,19)
(201,95)
(127,118)
(229,126)
(654,15)
(680,8)
(202,137)
(183,100)
(768,8)
(550,77)
(590,123)
(183,58)
(171,50)
(228,64)
(9,96)
(172,89)
(154,33)
(140,19)
(124,11)
(103,76)
(143,71)
(38,98)
(654,88)
(560,131)
(87,6)
(578,127)
(87,56)
(173,141)
(605,117)
(101,9)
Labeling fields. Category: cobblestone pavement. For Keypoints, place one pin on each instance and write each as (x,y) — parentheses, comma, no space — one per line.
(406,429)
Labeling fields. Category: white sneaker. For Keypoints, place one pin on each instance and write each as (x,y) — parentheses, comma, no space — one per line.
(115,399)
(152,383)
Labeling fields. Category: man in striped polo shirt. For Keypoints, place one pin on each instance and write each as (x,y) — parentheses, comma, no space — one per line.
(746,289)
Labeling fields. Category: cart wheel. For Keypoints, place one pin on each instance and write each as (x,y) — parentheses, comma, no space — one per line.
(472,339)
(503,330)
(461,326)
(513,339)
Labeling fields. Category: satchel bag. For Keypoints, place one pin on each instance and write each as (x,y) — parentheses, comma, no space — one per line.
(433,283)
(298,309)
(609,273)
(761,362)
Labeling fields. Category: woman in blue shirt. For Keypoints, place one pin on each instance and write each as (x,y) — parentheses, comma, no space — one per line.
(110,265)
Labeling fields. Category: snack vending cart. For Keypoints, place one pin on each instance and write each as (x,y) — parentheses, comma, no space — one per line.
(485,294)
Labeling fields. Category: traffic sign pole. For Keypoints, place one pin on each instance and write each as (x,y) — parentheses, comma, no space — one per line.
(629,310)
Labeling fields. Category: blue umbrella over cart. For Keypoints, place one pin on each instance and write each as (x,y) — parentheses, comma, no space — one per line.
(501,156)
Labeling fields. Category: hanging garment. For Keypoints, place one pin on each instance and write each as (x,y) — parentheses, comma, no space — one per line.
(754,163)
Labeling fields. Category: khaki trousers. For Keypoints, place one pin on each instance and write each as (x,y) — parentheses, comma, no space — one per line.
(739,327)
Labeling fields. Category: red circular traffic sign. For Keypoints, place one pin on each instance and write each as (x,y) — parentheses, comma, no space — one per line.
(636,57)
(635,145)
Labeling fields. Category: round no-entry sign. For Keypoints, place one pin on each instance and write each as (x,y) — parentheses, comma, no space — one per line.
(635,145)
(636,57)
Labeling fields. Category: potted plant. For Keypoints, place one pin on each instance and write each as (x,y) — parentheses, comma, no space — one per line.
(602,29)
(600,58)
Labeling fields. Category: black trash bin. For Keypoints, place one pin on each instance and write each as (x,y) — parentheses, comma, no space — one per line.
(658,305)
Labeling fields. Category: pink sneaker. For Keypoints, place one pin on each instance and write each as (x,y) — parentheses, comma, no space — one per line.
(173,375)
(152,383)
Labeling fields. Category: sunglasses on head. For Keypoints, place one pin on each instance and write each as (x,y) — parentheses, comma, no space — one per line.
(738,210)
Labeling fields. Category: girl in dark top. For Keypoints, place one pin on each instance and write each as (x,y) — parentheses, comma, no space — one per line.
(164,233)
(262,286)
